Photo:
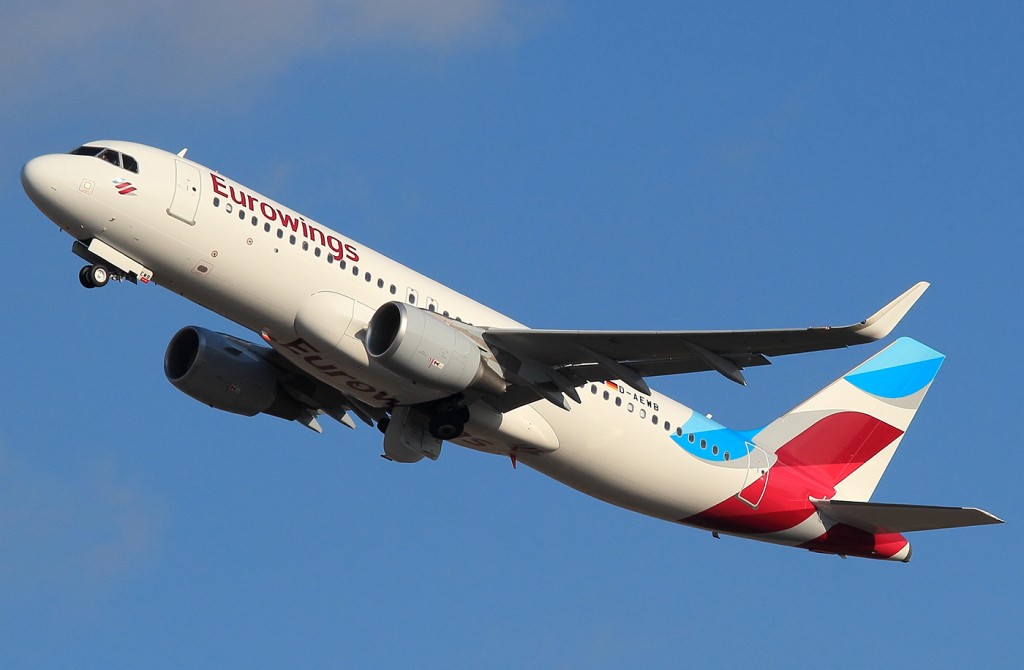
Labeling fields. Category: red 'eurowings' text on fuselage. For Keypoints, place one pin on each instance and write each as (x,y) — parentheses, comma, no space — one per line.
(274,212)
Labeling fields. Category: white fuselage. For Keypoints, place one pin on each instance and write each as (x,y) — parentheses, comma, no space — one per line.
(255,261)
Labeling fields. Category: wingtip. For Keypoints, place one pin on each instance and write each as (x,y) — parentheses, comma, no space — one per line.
(882,322)
(989,517)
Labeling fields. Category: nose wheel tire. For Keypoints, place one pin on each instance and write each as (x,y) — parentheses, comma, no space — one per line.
(99,275)
(94,276)
(83,277)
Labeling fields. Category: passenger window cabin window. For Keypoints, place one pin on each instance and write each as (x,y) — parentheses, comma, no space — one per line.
(380,283)
(316,251)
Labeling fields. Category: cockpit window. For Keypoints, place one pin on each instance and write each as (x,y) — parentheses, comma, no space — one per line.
(109,155)
(86,151)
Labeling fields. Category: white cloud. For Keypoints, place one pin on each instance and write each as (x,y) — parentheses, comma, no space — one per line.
(175,49)
(430,23)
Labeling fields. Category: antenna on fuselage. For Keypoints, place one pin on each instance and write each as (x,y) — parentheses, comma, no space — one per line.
(181,154)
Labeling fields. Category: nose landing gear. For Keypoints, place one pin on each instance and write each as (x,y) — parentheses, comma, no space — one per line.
(106,263)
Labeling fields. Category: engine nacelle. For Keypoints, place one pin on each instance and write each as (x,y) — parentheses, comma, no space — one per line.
(422,348)
(220,371)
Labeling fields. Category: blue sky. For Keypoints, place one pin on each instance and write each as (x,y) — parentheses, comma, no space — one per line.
(575,165)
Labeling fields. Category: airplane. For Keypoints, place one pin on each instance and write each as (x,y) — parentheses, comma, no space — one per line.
(347,332)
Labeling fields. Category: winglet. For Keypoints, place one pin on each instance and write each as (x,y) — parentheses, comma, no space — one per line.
(881,323)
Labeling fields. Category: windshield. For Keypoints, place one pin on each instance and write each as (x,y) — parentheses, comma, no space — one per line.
(111,156)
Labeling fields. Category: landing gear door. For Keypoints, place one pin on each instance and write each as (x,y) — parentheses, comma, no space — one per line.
(756,481)
(185,200)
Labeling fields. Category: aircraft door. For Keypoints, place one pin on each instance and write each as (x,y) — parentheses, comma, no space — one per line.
(756,481)
(185,200)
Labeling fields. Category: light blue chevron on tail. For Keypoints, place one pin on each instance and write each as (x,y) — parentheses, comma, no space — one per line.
(904,368)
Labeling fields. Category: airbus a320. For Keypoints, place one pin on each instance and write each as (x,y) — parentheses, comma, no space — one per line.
(350,334)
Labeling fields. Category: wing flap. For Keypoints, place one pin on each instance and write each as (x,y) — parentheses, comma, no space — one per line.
(889,518)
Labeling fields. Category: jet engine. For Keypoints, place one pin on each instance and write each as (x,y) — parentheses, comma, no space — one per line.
(423,348)
(225,373)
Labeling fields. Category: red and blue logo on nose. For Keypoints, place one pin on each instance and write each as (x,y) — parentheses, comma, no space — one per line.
(124,187)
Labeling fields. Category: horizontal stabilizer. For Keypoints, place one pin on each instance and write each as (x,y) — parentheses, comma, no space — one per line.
(887,518)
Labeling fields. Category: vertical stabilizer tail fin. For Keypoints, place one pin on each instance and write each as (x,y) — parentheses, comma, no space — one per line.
(846,434)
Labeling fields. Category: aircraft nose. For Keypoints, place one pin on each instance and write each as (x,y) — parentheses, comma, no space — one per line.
(41,179)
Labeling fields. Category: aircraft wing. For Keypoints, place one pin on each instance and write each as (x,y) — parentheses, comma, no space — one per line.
(552,362)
